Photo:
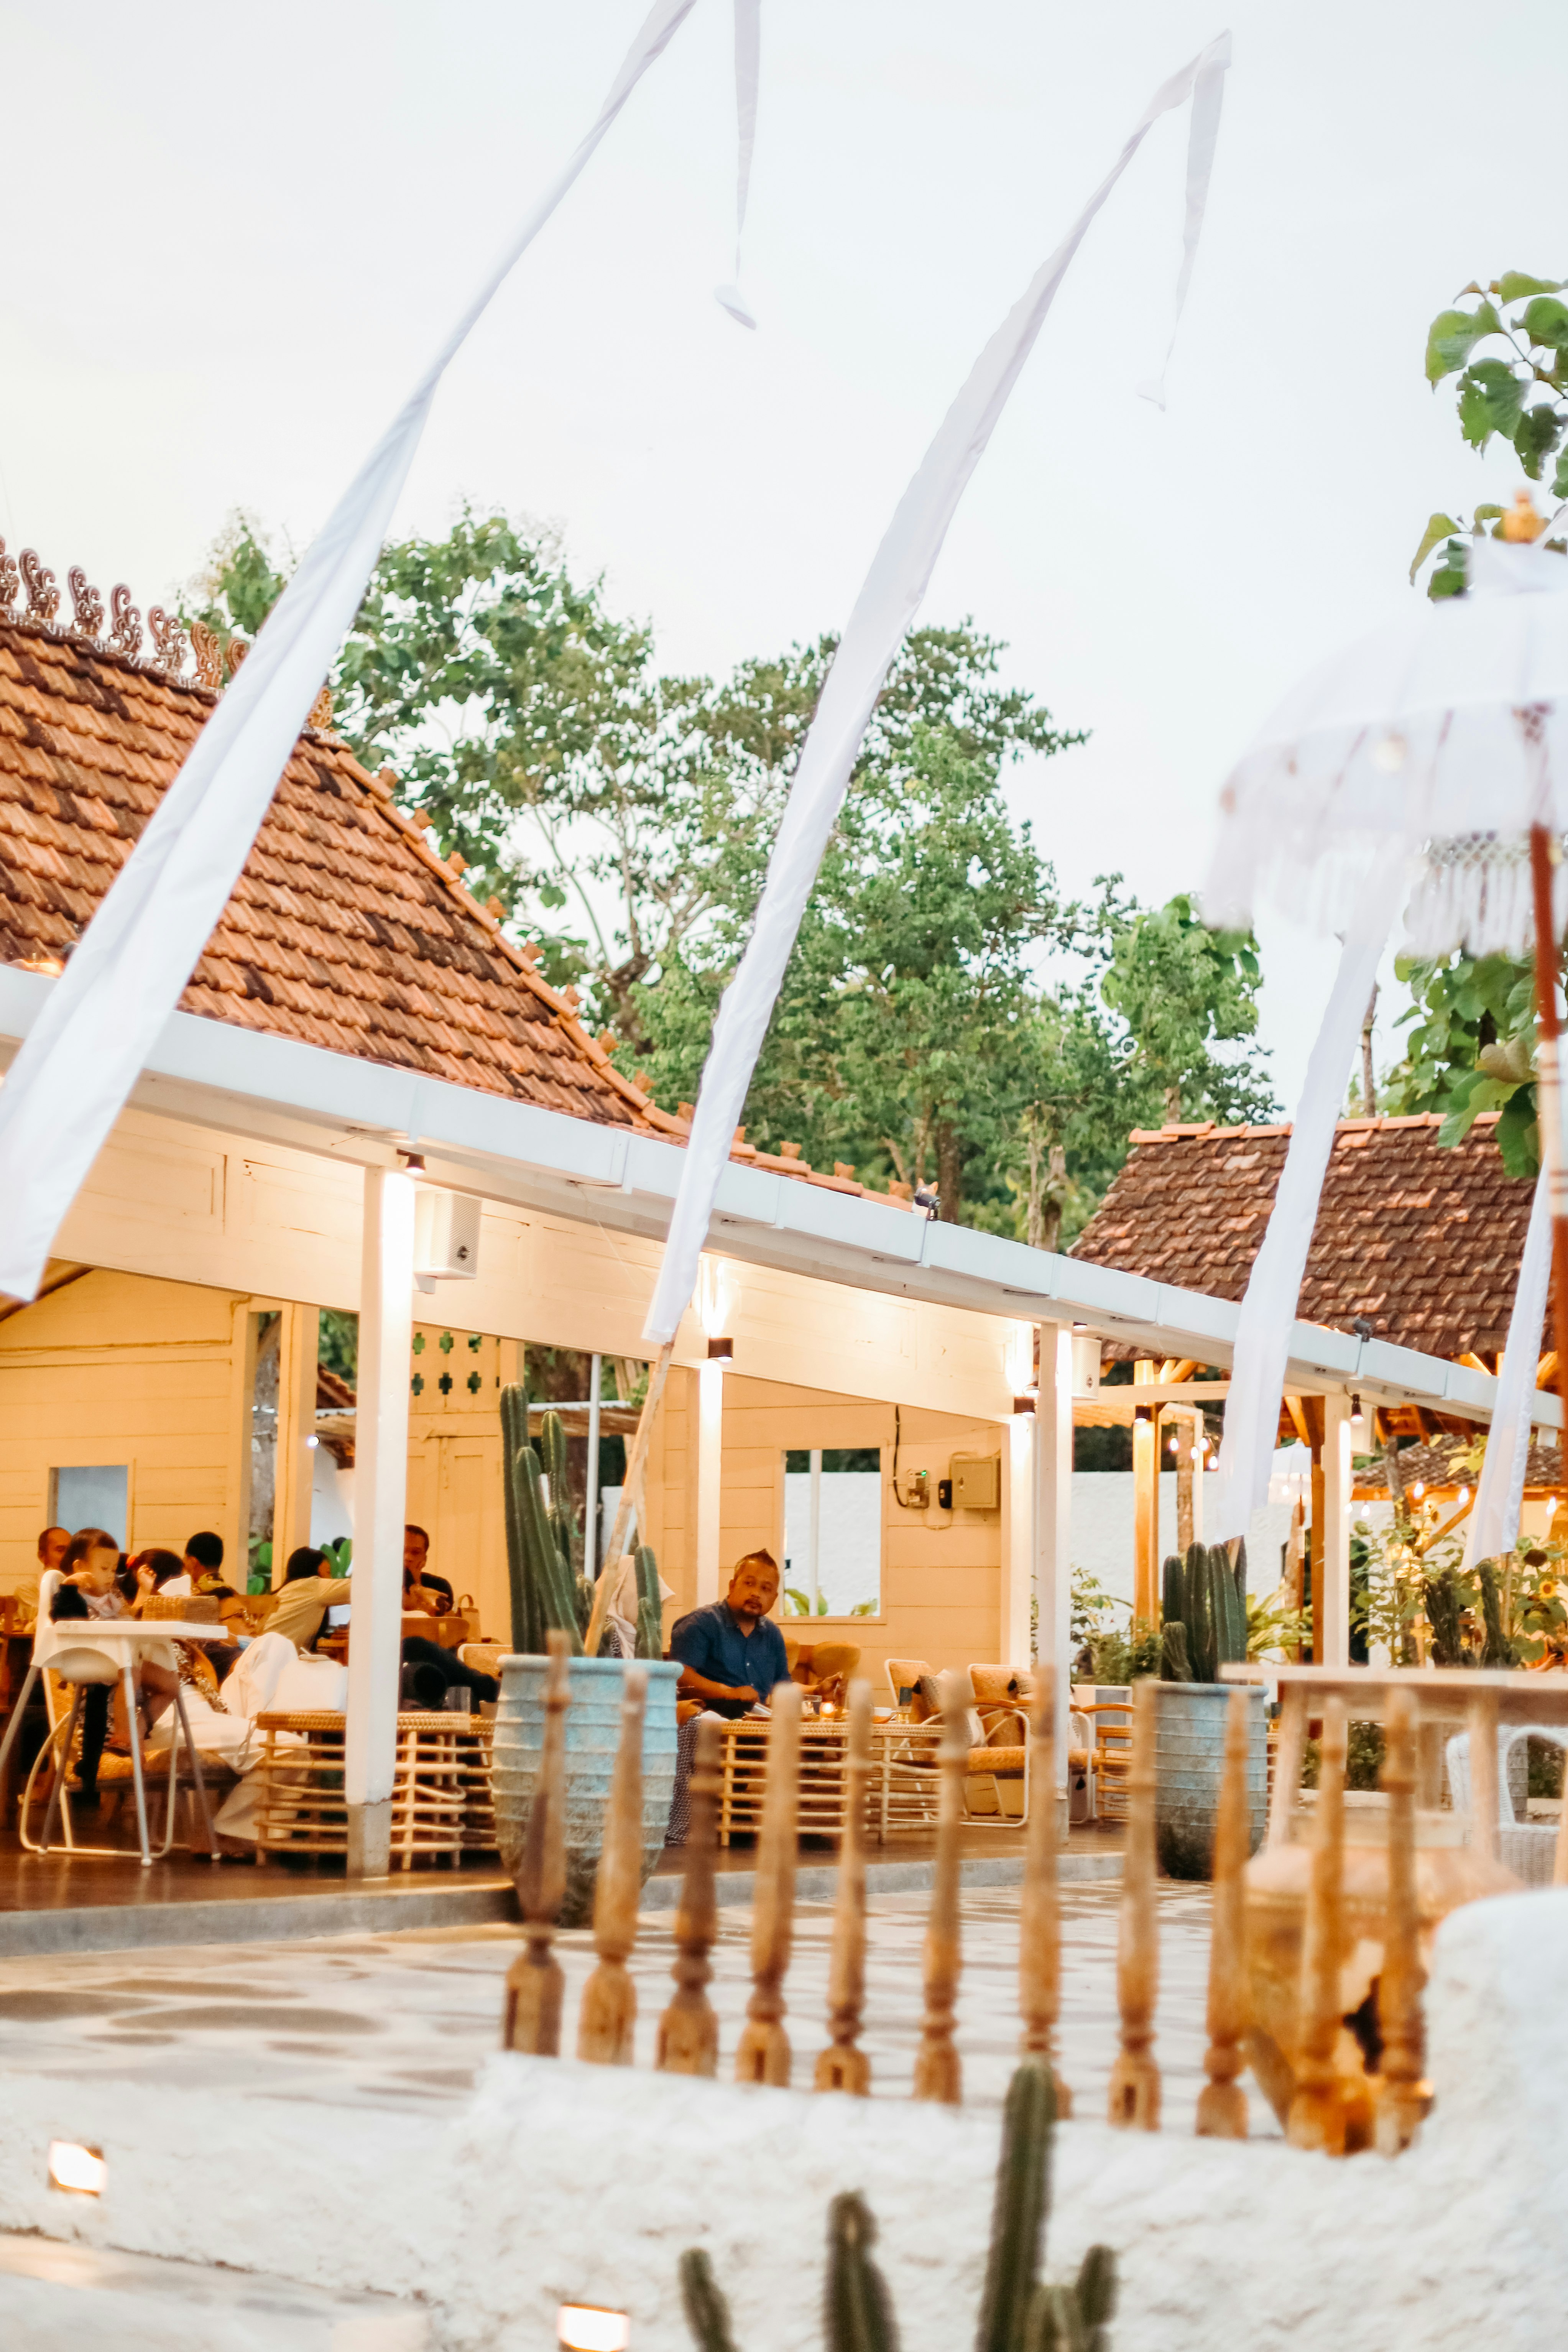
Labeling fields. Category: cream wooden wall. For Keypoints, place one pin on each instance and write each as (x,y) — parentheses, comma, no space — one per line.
(116,1370)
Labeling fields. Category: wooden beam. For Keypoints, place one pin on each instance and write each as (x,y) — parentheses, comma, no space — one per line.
(1293,1406)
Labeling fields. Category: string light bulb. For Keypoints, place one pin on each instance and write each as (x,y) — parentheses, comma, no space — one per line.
(1358,1418)
(591,2327)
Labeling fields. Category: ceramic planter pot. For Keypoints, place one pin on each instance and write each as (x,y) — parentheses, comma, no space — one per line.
(593,1735)
(1189,1761)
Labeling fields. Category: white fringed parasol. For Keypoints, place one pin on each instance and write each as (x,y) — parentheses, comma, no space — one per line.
(1434,752)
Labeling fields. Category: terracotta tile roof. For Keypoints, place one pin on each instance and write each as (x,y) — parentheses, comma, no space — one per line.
(1425,1242)
(1432,1466)
(345,930)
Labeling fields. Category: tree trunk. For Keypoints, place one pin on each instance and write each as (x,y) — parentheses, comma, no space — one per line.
(1368,1083)
(1173,1105)
(949,1172)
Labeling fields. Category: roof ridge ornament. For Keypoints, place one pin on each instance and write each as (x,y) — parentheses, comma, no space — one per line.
(43,595)
(125,625)
(87,605)
(10,581)
(209,657)
(170,641)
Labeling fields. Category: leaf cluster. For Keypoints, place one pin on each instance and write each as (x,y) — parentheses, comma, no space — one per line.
(1508,348)
(1471,1048)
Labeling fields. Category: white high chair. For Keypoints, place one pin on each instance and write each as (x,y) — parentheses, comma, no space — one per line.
(69,1651)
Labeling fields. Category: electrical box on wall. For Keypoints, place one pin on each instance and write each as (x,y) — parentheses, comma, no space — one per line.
(445,1236)
(1085,1362)
(977,1482)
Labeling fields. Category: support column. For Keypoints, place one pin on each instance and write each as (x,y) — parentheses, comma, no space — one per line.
(1145,1503)
(296,1458)
(380,1448)
(591,1499)
(1052,1524)
(709,1462)
(1336,1540)
(1018,1540)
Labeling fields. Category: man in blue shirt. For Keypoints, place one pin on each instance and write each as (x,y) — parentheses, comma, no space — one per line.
(731,1654)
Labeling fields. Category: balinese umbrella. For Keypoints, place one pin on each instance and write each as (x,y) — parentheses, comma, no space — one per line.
(1433,752)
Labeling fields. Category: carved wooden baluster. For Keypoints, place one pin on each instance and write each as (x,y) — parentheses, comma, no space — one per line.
(763,2054)
(1289,1753)
(1317,2116)
(606,2023)
(843,2066)
(1222,2103)
(1039,1917)
(939,2073)
(689,2030)
(1481,1724)
(1134,2101)
(1404,2097)
(534,1982)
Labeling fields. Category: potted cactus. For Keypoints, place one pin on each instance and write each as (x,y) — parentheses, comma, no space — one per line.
(546,1594)
(1202,1628)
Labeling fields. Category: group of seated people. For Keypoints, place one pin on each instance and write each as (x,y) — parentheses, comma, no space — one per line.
(97,1580)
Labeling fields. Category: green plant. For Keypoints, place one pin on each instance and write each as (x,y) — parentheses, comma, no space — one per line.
(1020,2311)
(542,1588)
(1363,1758)
(1276,1626)
(1203,1614)
(650,1609)
(799,1604)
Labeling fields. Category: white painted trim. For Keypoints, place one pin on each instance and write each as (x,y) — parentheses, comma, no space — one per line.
(208,1073)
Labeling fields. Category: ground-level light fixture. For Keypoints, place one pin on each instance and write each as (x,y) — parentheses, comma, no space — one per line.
(592,2328)
(81,2169)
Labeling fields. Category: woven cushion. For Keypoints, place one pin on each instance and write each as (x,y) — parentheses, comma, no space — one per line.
(1004,1761)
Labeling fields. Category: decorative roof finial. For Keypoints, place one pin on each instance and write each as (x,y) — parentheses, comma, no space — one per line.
(321,717)
(43,596)
(169,637)
(235,653)
(87,605)
(125,624)
(10,581)
(209,657)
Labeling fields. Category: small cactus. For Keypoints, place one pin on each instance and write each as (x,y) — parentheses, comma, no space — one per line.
(650,1609)
(857,2311)
(707,2313)
(1020,2311)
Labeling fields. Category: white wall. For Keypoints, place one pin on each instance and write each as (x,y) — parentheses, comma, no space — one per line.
(1102,1531)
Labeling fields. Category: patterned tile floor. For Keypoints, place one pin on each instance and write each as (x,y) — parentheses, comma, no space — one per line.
(402,2020)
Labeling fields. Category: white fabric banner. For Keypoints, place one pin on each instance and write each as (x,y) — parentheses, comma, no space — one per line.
(1202,137)
(1269,1309)
(748,58)
(883,611)
(84,1054)
(1494,1522)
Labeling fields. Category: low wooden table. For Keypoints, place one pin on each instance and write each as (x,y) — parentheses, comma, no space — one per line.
(902,1795)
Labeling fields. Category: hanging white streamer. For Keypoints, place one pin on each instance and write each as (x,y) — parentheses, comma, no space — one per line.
(1203,136)
(85,1051)
(748,59)
(1494,1522)
(1269,1309)
(883,611)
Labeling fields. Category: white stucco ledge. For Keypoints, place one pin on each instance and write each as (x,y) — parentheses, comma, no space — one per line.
(557,2179)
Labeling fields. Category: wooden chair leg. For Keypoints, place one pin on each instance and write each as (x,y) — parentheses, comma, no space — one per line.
(1318,2115)
(1039,1919)
(1134,2099)
(534,1984)
(763,2054)
(57,1793)
(607,2021)
(939,2073)
(1222,2103)
(1404,2097)
(688,2030)
(844,2065)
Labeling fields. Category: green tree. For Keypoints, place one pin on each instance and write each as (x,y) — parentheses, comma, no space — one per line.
(1471,1048)
(1181,990)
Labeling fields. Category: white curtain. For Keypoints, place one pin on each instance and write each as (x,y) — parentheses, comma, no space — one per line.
(886,607)
(748,55)
(84,1053)
(1494,1522)
(1274,1286)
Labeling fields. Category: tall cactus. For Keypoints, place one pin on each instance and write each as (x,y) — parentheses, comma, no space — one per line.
(553,1461)
(1205,1614)
(1020,2311)
(542,1580)
(650,1609)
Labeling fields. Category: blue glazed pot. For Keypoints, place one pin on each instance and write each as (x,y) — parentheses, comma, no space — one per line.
(593,1735)
(1189,1760)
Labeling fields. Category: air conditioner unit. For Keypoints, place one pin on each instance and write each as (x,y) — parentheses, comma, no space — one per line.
(445,1236)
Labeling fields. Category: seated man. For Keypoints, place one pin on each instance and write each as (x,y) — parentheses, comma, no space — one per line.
(423,1594)
(731,1654)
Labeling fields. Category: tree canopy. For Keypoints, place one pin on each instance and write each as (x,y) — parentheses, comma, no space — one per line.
(926,1034)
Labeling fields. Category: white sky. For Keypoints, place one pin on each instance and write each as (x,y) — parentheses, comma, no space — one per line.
(235,233)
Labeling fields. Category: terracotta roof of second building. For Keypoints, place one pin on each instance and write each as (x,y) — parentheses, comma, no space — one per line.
(1422,1241)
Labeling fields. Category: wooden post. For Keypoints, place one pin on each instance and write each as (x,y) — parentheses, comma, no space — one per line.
(763,2055)
(1315,1533)
(939,2073)
(1186,1472)
(1481,1723)
(1134,2101)
(606,2023)
(1289,1753)
(1317,2118)
(1544,854)
(843,2066)
(1039,1915)
(1404,2097)
(534,1983)
(689,2030)
(1222,2103)
(1145,1503)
